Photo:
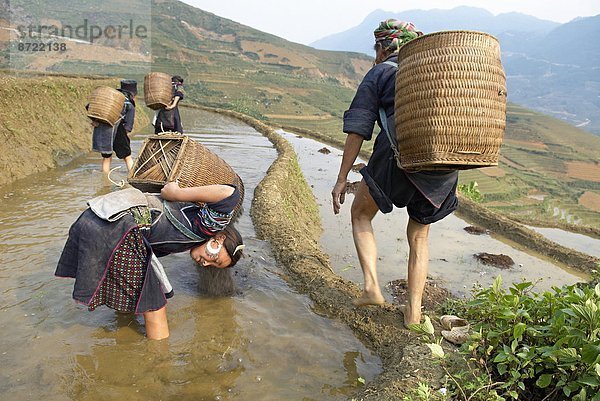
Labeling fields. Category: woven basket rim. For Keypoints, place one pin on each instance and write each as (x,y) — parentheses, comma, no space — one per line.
(440,33)
(451,31)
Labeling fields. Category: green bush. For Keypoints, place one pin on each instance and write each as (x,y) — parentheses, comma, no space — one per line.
(539,346)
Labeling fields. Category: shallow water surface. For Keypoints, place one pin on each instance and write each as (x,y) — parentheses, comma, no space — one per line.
(264,343)
(578,242)
(451,251)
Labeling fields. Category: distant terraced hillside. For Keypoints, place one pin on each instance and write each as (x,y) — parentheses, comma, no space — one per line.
(548,171)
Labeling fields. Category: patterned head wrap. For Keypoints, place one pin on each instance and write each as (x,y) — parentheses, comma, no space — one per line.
(397,32)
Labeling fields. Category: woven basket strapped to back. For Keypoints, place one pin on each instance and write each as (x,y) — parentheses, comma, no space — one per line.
(450,106)
(158,90)
(171,156)
(106,105)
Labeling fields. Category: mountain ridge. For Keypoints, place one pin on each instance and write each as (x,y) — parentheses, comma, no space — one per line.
(550,67)
(231,66)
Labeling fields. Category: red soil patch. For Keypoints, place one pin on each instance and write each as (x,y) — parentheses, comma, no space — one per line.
(584,171)
(590,200)
(528,144)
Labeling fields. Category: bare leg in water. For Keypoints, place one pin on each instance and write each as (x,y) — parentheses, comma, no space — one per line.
(418,265)
(363,210)
(106,164)
(157,326)
(128,162)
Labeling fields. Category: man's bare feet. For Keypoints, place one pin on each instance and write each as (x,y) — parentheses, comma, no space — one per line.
(409,316)
(367,299)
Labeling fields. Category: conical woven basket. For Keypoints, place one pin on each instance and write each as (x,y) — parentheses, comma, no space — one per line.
(171,156)
(105,105)
(158,90)
(450,105)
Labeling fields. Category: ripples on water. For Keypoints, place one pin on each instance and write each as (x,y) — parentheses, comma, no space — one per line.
(265,343)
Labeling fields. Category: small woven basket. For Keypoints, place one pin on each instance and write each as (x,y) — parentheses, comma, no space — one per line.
(172,156)
(158,90)
(105,105)
(450,106)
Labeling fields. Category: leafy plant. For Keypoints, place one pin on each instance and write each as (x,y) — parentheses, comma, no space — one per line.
(468,383)
(540,346)
(525,345)
(471,191)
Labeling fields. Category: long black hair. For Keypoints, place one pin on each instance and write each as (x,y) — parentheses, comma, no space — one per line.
(219,282)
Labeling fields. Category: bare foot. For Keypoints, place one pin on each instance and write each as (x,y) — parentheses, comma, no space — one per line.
(409,317)
(366,300)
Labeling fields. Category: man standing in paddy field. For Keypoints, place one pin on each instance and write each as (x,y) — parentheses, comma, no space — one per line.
(428,196)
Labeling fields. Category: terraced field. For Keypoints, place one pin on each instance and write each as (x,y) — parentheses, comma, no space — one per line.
(549,170)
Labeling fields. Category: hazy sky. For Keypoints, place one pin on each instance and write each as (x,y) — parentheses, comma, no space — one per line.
(305,21)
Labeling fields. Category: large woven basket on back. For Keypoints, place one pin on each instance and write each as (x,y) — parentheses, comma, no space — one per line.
(158,90)
(105,105)
(172,156)
(450,106)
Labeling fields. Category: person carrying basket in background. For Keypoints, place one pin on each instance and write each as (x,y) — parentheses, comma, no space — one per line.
(106,138)
(168,118)
(429,196)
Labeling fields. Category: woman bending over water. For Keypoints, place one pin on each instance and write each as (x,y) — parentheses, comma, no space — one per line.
(112,247)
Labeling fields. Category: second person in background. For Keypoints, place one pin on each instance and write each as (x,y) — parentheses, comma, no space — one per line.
(168,118)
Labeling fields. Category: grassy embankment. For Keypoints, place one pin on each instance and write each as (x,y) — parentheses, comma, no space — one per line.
(43,122)
(285,213)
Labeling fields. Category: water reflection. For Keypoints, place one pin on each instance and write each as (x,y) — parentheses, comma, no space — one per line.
(263,343)
(200,364)
(578,242)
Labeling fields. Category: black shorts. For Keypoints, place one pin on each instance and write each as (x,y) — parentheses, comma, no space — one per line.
(390,186)
(122,143)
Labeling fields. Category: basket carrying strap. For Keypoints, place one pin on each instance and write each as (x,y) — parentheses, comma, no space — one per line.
(182,229)
(384,124)
(383,118)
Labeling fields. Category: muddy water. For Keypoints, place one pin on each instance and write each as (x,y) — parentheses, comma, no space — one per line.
(451,248)
(264,343)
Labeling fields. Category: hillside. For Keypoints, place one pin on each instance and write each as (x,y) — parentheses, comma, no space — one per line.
(45,125)
(549,169)
(550,67)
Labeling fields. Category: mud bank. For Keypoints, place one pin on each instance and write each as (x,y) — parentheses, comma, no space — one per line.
(43,122)
(285,213)
(516,232)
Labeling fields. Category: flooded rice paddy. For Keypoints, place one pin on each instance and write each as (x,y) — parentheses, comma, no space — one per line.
(452,263)
(263,343)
